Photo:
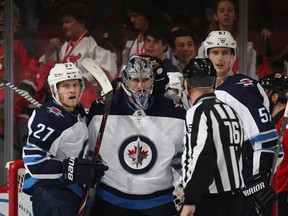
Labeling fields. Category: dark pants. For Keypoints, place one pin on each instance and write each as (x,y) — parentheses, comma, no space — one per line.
(226,204)
(103,208)
(55,200)
(283,203)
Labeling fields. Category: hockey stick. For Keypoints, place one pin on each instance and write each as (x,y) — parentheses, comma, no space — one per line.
(21,92)
(104,82)
(279,143)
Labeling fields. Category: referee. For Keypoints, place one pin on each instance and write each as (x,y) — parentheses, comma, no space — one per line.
(212,159)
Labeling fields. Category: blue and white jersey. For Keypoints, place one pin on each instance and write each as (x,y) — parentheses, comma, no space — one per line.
(139,147)
(54,134)
(248,99)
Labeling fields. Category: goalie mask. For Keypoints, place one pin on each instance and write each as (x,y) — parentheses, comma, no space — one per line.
(138,80)
(63,72)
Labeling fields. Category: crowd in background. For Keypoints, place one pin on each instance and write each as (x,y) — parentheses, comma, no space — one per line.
(117,33)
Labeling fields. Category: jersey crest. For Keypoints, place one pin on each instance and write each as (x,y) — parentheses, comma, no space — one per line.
(245,82)
(55,111)
(137,154)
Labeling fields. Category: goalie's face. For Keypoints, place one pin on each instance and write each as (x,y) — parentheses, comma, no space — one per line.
(68,93)
(140,90)
(138,79)
(141,84)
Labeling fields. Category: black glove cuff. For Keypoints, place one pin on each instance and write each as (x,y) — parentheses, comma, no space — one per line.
(70,169)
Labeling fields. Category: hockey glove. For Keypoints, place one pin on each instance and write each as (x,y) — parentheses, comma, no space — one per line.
(259,192)
(83,171)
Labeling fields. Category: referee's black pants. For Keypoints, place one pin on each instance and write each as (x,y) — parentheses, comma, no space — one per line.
(224,204)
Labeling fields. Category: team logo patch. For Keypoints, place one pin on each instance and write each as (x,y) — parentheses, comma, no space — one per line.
(55,111)
(246,82)
(137,154)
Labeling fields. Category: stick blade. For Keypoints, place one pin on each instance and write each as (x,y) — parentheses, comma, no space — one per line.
(96,71)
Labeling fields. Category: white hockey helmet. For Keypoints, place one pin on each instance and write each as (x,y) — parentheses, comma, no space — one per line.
(138,67)
(62,72)
(219,39)
(176,81)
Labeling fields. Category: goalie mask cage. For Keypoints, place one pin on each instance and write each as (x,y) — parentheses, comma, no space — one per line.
(19,203)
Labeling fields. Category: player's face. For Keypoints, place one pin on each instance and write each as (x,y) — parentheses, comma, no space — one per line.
(69,92)
(154,47)
(185,49)
(225,15)
(141,84)
(221,59)
(72,28)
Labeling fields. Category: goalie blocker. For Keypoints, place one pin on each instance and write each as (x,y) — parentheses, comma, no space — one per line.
(258,191)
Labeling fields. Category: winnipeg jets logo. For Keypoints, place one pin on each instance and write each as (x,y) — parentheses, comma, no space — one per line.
(55,111)
(246,82)
(137,154)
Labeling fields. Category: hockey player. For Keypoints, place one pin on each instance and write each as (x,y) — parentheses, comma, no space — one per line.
(142,141)
(249,100)
(58,141)
(212,161)
(276,87)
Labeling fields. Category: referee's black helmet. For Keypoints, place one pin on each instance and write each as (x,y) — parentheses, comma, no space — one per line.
(200,73)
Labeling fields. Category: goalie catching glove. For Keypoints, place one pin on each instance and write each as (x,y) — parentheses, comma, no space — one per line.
(259,192)
(83,171)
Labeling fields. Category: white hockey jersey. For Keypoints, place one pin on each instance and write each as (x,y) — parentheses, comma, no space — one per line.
(139,148)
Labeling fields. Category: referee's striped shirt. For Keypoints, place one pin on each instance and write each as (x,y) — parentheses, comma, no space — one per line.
(212,158)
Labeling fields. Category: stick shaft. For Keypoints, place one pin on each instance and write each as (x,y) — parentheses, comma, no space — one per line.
(279,143)
(21,92)
(104,82)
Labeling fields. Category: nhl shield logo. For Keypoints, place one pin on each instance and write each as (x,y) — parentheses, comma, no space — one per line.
(137,154)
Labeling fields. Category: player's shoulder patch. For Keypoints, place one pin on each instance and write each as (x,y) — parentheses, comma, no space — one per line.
(54,110)
(245,82)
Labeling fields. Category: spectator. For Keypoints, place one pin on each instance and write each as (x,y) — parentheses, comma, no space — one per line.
(184,46)
(157,40)
(75,17)
(29,14)
(141,153)
(249,100)
(258,18)
(142,13)
(57,142)
(211,145)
